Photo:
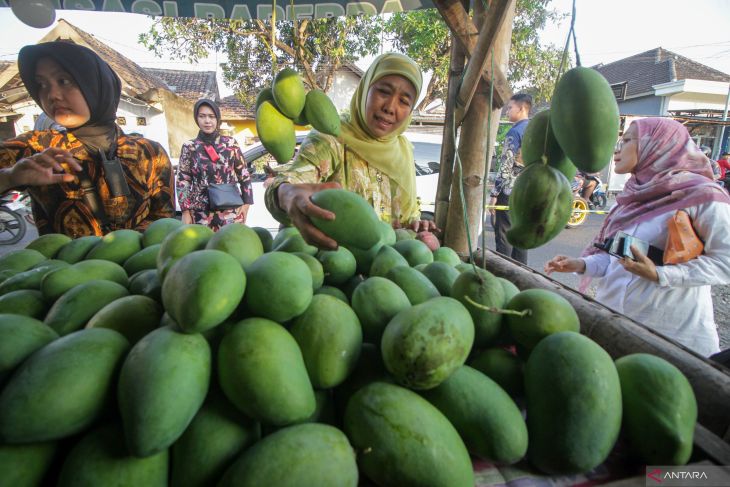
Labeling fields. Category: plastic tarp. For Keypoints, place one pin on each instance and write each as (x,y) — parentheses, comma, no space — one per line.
(242,9)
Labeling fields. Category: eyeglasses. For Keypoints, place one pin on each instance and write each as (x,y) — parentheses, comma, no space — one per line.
(619,145)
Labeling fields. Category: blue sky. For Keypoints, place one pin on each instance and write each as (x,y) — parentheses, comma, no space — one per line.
(606,31)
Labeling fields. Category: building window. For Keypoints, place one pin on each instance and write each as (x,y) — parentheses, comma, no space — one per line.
(122,121)
(141,121)
(619,90)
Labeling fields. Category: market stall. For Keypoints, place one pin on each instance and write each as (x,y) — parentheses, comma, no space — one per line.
(265,342)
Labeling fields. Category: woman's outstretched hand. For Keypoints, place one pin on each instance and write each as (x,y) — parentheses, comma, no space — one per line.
(563,263)
(641,265)
(295,200)
(52,166)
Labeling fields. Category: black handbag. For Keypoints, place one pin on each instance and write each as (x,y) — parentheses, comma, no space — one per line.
(221,196)
(224,196)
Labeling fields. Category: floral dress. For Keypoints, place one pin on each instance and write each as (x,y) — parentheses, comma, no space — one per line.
(60,208)
(196,170)
(323,158)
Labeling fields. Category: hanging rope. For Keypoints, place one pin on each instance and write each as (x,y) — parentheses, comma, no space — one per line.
(563,59)
(483,214)
(274,67)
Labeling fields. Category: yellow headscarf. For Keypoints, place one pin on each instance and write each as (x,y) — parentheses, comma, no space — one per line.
(393,154)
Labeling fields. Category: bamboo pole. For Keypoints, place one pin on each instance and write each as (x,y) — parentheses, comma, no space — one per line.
(498,10)
(620,335)
(448,145)
(455,14)
(473,145)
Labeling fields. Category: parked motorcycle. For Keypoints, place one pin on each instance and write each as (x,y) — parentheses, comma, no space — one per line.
(14,216)
(598,199)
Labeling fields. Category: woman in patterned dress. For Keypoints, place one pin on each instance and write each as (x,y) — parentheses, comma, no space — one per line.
(211,158)
(371,157)
(91,178)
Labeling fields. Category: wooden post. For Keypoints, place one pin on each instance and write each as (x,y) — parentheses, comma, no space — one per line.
(498,10)
(457,18)
(473,146)
(448,145)
(620,336)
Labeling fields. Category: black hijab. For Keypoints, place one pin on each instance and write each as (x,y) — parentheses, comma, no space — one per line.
(98,83)
(208,138)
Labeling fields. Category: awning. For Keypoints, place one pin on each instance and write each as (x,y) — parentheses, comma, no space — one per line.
(243,9)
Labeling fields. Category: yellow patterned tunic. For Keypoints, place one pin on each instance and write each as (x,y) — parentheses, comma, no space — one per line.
(323,158)
(60,208)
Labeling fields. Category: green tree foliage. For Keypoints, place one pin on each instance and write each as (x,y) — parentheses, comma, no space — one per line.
(423,35)
(317,48)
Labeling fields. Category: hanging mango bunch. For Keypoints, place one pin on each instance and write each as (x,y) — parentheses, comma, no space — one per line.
(287,103)
(579,131)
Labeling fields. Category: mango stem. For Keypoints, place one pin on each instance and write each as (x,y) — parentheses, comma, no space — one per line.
(492,309)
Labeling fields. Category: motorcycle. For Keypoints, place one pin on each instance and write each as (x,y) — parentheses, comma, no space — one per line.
(581,207)
(14,217)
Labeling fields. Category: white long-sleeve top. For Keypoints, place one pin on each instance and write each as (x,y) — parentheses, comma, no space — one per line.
(680,304)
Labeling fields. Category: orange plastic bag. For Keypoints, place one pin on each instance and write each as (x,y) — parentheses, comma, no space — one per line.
(683,244)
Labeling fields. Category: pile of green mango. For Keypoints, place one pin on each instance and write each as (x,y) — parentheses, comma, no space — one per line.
(578,131)
(286,104)
(179,356)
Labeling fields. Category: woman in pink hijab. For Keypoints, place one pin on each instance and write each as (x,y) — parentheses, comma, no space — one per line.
(668,173)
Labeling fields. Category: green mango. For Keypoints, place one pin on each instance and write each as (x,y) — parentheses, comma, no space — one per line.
(216,436)
(329,336)
(75,308)
(179,242)
(159,230)
(239,241)
(482,287)
(585,118)
(659,409)
(25,302)
(25,465)
(203,289)
(322,113)
(142,260)
(442,275)
(117,246)
(534,147)
(487,419)
(415,284)
(574,402)
(59,281)
(49,244)
(288,92)
(446,254)
(62,388)
(279,286)
(415,251)
(276,132)
(132,316)
(268,387)
(305,454)
(386,259)
(162,384)
(503,367)
(20,336)
(20,260)
(31,279)
(540,206)
(549,313)
(100,458)
(76,250)
(384,420)
(423,345)
(376,301)
(355,223)
(146,283)
(338,265)
(315,268)
(265,238)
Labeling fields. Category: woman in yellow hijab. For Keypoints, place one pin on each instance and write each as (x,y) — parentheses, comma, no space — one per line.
(371,157)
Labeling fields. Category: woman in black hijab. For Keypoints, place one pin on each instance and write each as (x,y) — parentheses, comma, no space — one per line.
(211,158)
(93,178)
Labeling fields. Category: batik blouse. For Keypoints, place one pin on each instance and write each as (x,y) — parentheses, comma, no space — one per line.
(323,158)
(196,170)
(60,208)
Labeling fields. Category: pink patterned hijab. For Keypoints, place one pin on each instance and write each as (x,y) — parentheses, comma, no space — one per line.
(671,173)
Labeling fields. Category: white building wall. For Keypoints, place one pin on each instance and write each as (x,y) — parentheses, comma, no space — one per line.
(343,87)
(156,125)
